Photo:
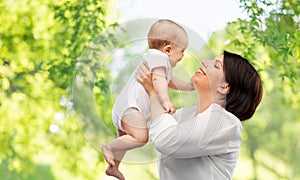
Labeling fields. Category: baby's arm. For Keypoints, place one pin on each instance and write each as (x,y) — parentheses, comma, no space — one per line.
(160,84)
(178,84)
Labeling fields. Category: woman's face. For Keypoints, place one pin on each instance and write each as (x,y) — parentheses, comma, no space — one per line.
(210,76)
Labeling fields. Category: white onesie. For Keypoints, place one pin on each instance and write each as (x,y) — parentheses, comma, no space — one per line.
(134,95)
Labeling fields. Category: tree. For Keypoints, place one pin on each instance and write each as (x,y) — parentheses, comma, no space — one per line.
(39,44)
(276,26)
(270,40)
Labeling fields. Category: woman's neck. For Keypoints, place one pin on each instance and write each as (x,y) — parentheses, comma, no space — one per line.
(205,100)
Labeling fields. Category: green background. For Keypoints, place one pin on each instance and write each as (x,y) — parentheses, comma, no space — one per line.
(40,43)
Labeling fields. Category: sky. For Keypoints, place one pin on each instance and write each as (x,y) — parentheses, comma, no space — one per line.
(202,16)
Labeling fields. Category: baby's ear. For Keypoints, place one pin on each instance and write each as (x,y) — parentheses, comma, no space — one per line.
(167,49)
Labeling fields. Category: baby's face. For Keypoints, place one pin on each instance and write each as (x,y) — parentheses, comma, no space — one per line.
(177,51)
(176,54)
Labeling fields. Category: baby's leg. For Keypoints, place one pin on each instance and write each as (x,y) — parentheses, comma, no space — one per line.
(136,136)
(114,170)
(135,126)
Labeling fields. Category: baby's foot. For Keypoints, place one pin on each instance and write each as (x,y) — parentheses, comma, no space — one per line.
(113,171)
(108,155)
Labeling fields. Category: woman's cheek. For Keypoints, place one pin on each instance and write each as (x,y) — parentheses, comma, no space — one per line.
(196,81)
(201,82)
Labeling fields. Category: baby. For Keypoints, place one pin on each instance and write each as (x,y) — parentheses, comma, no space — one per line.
(167,42)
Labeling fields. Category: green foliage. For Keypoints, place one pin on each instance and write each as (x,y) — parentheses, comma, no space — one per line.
(79,22)
(276,26)
(40,42)
(269,38)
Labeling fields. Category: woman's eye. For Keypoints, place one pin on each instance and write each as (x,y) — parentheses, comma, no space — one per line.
(216,67)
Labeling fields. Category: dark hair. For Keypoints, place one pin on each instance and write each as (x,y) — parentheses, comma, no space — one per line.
(245,86)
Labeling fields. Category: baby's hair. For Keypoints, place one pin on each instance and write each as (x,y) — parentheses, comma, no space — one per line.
(164,32)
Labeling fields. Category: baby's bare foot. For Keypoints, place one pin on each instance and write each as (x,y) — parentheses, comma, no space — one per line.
(108,155)
(113,171)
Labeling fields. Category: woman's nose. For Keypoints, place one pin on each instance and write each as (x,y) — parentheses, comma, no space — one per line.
(204,63)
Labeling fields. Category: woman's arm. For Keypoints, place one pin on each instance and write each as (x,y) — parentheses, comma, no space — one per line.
(195,137)
(198,136)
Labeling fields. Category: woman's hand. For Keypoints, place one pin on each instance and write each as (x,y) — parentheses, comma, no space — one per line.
(144,76)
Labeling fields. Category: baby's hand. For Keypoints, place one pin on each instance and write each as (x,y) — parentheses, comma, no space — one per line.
(169,107)
(190,86)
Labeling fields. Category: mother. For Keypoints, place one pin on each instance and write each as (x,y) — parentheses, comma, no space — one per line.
(202,142)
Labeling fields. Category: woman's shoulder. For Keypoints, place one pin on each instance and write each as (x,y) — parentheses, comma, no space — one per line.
(213,113)
(219,112)
(185,113)
(187,110)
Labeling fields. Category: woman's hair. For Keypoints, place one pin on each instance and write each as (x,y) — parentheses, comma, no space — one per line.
(164,32)
(245,86)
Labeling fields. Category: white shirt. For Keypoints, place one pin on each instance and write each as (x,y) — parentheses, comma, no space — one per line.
(196,146)
(134,94)
(156,58)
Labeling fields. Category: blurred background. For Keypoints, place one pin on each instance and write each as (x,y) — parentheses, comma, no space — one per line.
(48,132)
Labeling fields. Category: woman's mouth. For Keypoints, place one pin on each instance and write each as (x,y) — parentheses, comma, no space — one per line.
(201,71)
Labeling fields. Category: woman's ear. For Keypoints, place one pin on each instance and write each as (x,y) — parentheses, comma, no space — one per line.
(167,49)
(224,88)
